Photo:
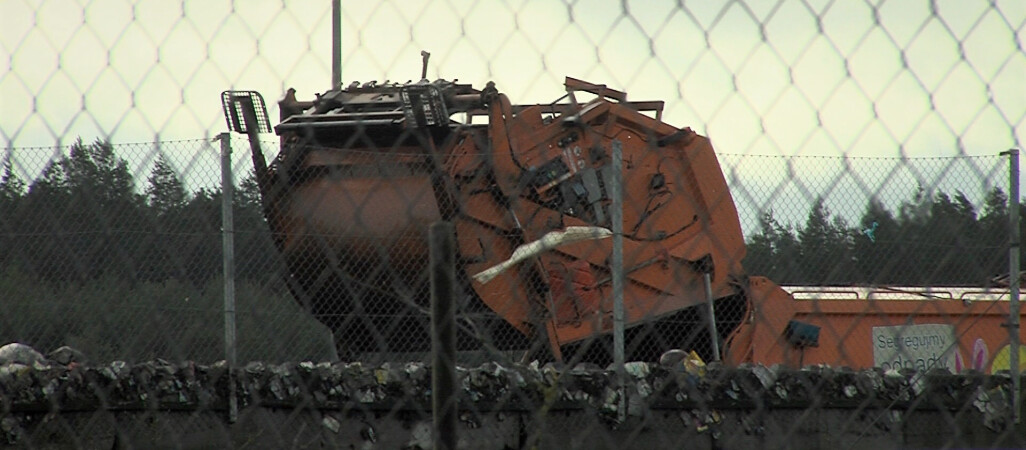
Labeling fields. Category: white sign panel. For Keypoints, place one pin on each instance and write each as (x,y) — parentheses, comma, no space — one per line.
(921,347)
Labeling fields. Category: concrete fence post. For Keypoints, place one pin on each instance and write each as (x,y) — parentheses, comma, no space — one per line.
(228,260)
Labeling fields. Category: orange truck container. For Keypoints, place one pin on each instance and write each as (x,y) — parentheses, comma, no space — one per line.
(364,170)
(957,328)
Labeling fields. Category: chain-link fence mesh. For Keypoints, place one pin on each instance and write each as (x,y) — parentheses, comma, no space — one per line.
(108,242)
(852,223)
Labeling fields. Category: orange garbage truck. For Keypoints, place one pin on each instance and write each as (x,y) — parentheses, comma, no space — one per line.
(363,170)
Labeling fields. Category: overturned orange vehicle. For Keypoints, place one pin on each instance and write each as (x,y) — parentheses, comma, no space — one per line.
(364,170)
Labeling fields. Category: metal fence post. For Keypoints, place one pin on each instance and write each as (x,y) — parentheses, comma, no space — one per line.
(1013,280)
(336,43)
(616,217)
(714,335)
(228,259)
(443,335)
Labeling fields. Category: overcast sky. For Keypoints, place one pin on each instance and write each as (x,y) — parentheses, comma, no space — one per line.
(757,77)
(815,77)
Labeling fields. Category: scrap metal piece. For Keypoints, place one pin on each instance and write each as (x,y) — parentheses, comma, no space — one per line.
(548,242)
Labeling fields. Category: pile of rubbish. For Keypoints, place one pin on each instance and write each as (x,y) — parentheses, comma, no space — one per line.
(65,381)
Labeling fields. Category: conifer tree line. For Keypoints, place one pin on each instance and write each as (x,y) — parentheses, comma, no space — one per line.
(91,259)
(84,218)
(931,240)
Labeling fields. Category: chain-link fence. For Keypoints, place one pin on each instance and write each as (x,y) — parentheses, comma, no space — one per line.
(616,281)
(92,224)
(99,251)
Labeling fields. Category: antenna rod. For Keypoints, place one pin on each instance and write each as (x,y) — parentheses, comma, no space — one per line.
(336,44)
(423,70)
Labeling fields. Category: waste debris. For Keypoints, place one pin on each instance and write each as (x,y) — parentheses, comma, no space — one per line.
(57,384)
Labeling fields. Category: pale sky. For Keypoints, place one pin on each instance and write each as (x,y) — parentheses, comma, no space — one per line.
(816,77)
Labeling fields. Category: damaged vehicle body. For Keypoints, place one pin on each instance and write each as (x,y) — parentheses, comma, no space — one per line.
(364,170)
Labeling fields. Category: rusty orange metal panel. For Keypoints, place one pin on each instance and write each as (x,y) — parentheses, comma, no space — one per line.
(859,329)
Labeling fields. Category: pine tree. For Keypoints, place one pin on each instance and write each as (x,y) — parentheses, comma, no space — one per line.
(825,255)
(947,250)
(12,189)
(11,186)
(258,259)
(760,253)
(165,191)
(876,246)
(993,236)
(85,215)
(775,252)
(166,197)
